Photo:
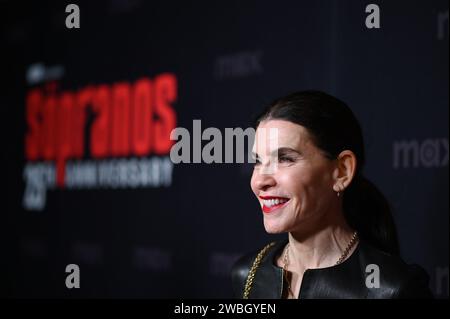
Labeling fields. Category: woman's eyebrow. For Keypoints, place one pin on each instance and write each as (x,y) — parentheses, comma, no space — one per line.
(286,150)
(281,150)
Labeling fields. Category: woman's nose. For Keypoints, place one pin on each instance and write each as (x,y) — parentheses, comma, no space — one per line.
(264,181)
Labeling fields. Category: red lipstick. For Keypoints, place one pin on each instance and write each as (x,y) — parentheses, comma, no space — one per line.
(272,207)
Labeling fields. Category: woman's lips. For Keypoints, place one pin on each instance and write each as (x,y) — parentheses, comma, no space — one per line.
(272,203)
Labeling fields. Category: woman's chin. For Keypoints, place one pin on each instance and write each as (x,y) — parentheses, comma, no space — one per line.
(272,228)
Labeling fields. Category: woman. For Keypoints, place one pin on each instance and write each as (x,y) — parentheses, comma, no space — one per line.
(342,241)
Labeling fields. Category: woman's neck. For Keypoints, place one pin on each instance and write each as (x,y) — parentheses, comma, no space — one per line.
(320,248)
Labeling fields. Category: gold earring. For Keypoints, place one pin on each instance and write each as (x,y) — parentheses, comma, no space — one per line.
(336,188)
(340,189)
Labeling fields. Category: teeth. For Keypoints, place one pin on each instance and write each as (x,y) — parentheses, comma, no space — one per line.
(273,202)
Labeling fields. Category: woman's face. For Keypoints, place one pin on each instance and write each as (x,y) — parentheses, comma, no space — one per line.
(292,179)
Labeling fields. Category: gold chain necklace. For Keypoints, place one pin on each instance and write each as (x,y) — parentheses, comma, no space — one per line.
(344,255)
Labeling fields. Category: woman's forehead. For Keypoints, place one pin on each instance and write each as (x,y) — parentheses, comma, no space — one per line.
(281,132)
(272,135)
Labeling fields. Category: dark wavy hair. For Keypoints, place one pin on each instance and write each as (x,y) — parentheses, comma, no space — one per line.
(334,128)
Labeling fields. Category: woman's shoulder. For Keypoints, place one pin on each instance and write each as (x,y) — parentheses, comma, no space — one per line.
(395,276)
(261,256)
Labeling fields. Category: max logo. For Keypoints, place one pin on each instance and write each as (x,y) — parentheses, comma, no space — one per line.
(429,153)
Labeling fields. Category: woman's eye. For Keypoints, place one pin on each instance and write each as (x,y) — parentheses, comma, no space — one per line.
(285,159)
(257,162)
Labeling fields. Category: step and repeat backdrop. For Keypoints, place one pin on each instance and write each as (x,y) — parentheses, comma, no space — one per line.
(93,90)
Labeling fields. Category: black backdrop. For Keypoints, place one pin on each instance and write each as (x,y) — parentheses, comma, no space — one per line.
(178,237)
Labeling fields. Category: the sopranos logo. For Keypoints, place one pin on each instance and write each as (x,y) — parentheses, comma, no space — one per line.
(104,136)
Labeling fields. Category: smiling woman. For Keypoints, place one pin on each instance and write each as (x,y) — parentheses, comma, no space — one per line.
(342,241)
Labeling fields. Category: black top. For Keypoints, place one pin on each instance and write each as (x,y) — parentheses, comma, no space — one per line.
(346,280)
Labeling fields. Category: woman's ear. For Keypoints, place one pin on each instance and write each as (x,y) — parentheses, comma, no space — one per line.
(344,171)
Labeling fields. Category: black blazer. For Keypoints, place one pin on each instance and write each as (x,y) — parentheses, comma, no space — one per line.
(346,280)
